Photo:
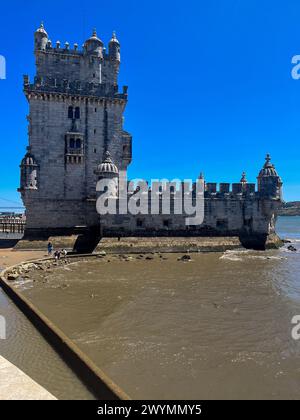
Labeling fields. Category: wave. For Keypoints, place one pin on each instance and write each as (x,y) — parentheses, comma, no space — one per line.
(241,255)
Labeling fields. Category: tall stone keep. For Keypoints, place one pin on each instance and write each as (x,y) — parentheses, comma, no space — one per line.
(75,119)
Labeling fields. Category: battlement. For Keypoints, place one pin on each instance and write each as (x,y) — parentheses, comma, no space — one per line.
(50,84)
(63,50)
(92,64)
(211,189)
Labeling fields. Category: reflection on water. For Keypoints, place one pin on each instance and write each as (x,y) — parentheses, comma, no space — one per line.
(217,327)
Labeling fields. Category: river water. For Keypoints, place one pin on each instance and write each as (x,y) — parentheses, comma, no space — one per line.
(216,327)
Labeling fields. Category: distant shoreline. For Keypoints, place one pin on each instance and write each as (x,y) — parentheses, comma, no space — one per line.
(290,209)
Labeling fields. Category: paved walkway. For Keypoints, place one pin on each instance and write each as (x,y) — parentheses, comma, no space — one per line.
(16,385)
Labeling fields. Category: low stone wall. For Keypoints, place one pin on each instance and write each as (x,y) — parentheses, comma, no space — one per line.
(149,244)
(168,245)
(94,378)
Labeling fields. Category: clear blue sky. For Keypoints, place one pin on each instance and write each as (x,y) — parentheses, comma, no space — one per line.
(210,85)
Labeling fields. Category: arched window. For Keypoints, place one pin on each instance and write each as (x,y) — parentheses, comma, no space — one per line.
(70,112)
(77,113)
(72,143)
(78,144)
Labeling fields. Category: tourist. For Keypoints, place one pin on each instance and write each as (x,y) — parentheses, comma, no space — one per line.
(57,255)
(64,253)
(50,248)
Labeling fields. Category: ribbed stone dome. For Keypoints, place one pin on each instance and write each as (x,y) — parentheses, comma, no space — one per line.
(41,30)
(114,39)
(268,169)
(28,160)
(94,39)
(107,166)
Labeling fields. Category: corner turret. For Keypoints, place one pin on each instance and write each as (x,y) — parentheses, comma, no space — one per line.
(29,168)
(40,38)
(94,45)
(107,170)
(114,48)
(269,182)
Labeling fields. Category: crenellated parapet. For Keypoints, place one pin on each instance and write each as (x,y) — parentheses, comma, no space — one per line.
(91,64)
(53,85)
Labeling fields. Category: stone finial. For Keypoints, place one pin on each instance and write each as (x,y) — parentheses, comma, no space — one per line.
(243,179)
(107,157)
(67,45)
(114,38)
(201,176)
(268,159)
(57,44)
(75,46)
(94,33)
(41,29)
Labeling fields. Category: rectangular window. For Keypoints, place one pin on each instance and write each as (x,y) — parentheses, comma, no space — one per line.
(222,224)
(140,223)
(167,223)
(77,113)
(70,112)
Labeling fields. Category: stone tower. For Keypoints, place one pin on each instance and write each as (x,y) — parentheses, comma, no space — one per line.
(75,119)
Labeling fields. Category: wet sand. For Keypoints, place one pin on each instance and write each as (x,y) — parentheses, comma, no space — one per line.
(9,257)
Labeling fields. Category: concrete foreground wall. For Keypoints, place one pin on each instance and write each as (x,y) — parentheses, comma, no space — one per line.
(16,385)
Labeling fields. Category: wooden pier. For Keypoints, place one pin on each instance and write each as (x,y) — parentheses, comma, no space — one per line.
(12,224)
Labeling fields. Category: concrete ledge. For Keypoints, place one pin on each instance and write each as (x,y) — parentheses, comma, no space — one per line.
(94,378)
(16,385)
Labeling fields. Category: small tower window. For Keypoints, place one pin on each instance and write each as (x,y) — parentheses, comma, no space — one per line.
(140,223)
(166,223)
(222,223)
(74,148)
(70,112)
(77,113)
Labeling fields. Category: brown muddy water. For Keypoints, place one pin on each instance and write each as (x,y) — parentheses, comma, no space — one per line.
(216,327)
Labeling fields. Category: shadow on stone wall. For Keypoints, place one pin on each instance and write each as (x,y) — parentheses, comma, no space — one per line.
(87,242)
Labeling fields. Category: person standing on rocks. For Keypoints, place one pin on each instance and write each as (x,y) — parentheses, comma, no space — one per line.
(50,248)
